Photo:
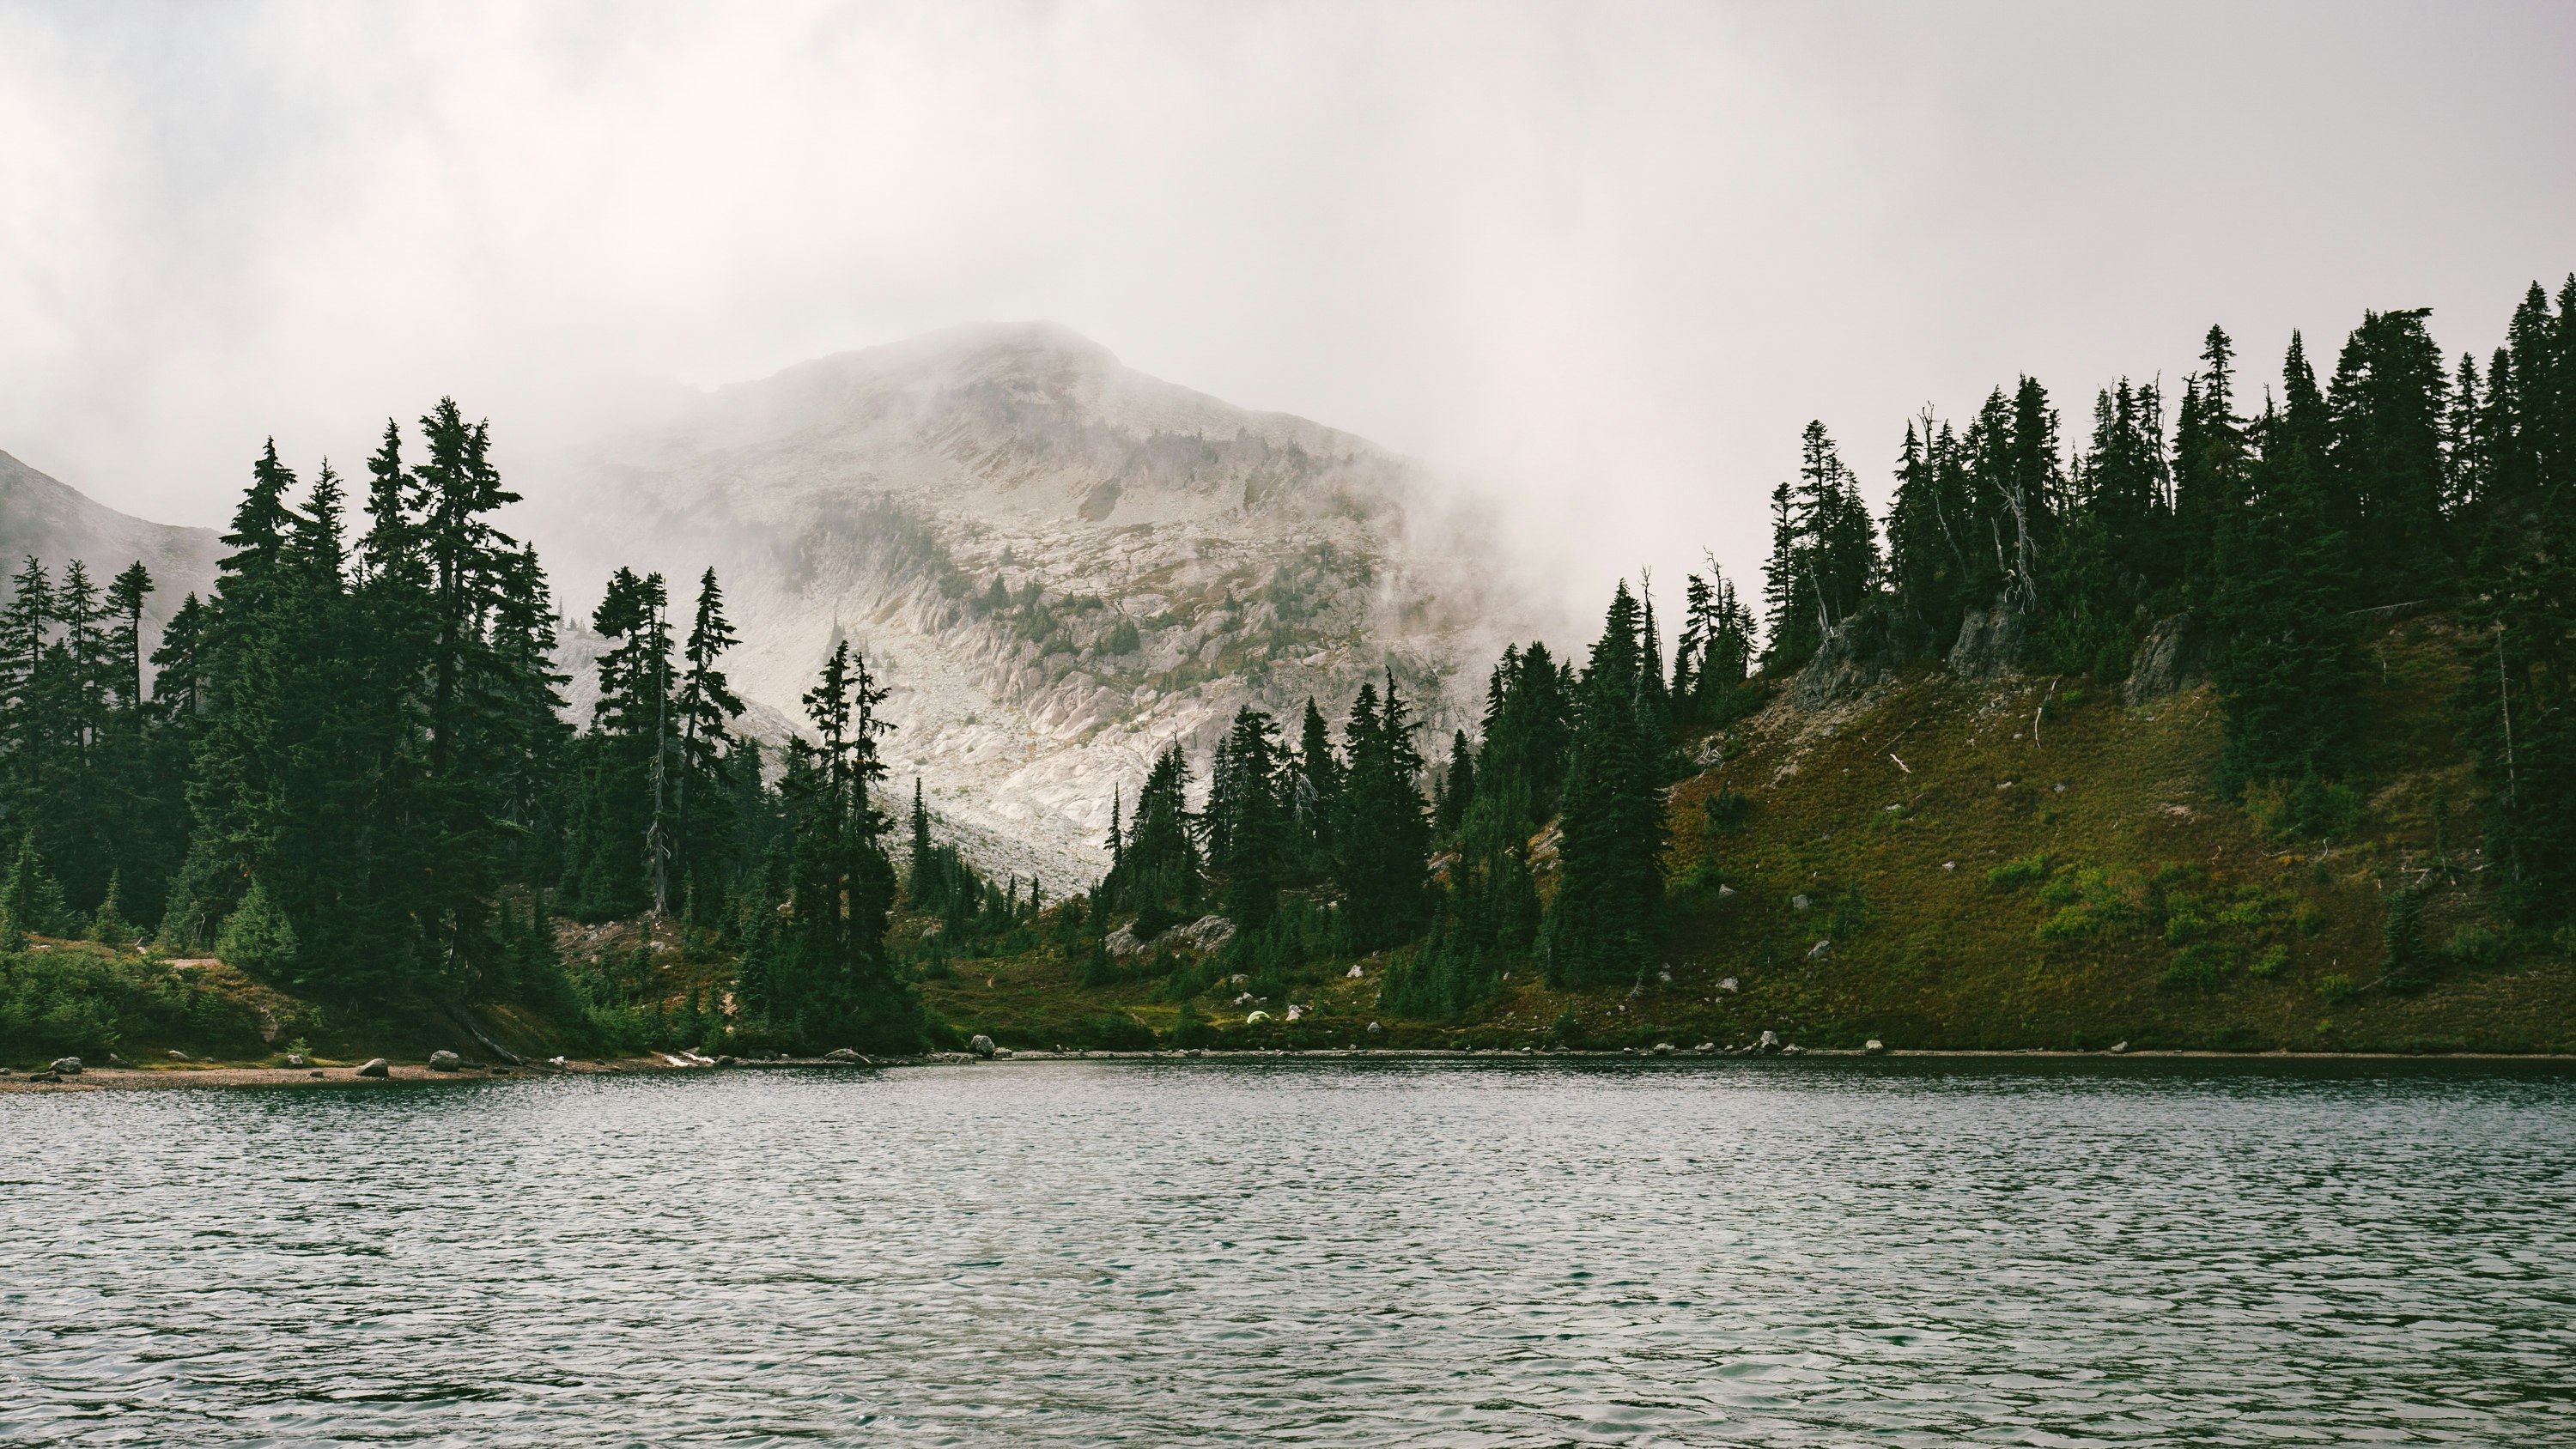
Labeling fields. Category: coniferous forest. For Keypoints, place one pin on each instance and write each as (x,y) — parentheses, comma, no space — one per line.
(347,776)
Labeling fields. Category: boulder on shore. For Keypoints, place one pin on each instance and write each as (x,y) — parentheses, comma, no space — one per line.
(842,1054)
(376,1067)
(68,1066)
(443,1060)
(1769,1043)
(981,1046)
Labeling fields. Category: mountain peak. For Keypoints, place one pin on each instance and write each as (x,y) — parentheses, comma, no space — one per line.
(1061,565)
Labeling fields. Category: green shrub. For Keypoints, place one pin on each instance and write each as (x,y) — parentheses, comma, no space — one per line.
(258,940)
(2337,989)
(2071,923)
(2021,871)
(83,1001)
(2269,963)
(2402,937)
(1726,811)
(2306,808)
(2477,946)
(2198,967)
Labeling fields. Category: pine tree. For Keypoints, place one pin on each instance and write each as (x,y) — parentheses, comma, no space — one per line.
(1158,863)
(1602,926)
(1383,836)
(1318,794)
(2287,675)
(1457,793)
(2517,702)
(2209,461)
(706,708)
(1249,825)
(828,976)
(618,855)
(2386,414)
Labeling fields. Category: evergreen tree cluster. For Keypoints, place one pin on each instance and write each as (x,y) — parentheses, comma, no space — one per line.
(347,772)
(2280,529)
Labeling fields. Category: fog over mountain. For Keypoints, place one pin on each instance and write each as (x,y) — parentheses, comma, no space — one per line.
(54,523)
(1058,564)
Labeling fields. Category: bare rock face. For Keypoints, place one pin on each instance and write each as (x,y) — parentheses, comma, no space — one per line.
(1837,673)
(1058,565)
(2168,663)
(1989,644)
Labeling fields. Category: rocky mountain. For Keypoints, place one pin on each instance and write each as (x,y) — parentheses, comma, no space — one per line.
(1058,564)
(56,523)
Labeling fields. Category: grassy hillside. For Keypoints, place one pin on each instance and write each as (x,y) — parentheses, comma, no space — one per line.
(2030,864)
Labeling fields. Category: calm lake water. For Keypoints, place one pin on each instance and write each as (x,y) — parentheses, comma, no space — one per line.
(1793,1253)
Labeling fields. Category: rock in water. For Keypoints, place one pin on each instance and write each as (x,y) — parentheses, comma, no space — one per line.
(981,1046)
(1769,1043)
(376,1067)
(444,1060)
(68,1066)
(2167,663)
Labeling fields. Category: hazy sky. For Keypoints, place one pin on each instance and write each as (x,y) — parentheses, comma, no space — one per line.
(1600,260)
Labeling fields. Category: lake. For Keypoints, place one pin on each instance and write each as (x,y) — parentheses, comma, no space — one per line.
(1896,1251)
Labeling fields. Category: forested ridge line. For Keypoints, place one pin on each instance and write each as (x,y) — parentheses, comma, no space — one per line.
(345,775)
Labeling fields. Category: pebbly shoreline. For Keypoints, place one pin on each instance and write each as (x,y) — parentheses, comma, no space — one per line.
(348,1075)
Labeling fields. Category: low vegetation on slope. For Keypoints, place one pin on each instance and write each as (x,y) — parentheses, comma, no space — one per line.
(1947,864)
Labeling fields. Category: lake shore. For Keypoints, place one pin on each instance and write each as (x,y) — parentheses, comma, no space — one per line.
(345,1074)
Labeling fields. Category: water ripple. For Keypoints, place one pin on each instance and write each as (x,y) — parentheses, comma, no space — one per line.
(1892,1253)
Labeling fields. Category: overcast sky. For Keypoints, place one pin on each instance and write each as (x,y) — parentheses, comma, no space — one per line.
(1601,261)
